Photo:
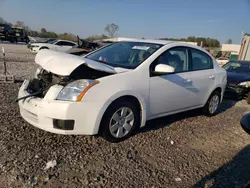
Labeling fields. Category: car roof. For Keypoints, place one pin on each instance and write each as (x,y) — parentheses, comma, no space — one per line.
(241,61)
(163,42)
(65,40)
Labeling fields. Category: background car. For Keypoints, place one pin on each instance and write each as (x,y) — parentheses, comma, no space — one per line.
(238,79)
(116,89)
(56,45)
(45,41)
(84,47)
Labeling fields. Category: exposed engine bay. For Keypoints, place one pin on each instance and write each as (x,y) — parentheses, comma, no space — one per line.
(43,79)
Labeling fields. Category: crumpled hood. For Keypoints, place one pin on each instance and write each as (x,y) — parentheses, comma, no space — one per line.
(64,64)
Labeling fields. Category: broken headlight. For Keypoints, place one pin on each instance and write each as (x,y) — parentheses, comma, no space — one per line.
(245,84)
(75,91)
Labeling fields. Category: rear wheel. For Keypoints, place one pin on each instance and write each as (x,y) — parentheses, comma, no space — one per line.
(119,121)
(212,104)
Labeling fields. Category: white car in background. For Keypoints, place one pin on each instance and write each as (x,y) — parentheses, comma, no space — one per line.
(56,45)
(116,89)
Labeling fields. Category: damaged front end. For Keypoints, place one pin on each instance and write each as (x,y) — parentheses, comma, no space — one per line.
(72,72)
(44,79)
(237,91)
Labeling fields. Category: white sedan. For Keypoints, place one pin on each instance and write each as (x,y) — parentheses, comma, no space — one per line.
(56,45)
(116,89)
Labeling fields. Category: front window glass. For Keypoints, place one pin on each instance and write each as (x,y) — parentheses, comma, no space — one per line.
(125,54)
(240,68)
(176,58)
(68,44)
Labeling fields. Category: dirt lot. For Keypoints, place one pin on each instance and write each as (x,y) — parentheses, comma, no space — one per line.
(182,150)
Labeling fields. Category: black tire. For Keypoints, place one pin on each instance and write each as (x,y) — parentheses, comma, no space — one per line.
(106,120)
(42,48)
(206,110)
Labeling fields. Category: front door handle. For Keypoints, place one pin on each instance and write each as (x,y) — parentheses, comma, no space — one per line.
(187,81)
(211,77)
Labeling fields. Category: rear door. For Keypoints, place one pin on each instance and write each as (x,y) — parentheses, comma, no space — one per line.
(203,76)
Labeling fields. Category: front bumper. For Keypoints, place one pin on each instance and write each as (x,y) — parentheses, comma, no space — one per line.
(236,91)
(34,49)
(42,112)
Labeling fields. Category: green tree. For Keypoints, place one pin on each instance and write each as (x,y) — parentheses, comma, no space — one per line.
(111,29)
(96,37)
(33,33)
(43,30)
(229,41)
(206,42)
(52,34)
(68,36)
(191,39)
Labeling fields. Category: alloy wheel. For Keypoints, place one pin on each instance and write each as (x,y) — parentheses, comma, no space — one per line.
(121,122)
(213,104)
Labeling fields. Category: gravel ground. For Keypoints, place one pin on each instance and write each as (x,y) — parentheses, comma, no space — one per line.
(182,150)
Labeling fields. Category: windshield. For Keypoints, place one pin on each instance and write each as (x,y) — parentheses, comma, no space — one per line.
(124,54)
(235,67)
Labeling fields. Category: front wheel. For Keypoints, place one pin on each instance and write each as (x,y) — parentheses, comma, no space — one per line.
(212,104)
(119,121)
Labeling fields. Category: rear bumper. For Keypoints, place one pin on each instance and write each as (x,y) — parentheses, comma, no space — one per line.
(42,113)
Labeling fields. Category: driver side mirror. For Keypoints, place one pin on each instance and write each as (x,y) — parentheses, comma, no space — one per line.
(162,69)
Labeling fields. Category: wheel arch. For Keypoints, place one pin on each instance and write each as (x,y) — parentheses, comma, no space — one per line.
(139,101)
(220,90)
(43,47)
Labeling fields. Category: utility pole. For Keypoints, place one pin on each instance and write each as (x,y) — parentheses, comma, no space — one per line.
(242,36)
(201,44)
(4,62)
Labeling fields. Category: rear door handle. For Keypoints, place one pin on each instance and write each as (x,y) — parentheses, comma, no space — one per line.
(211,77)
